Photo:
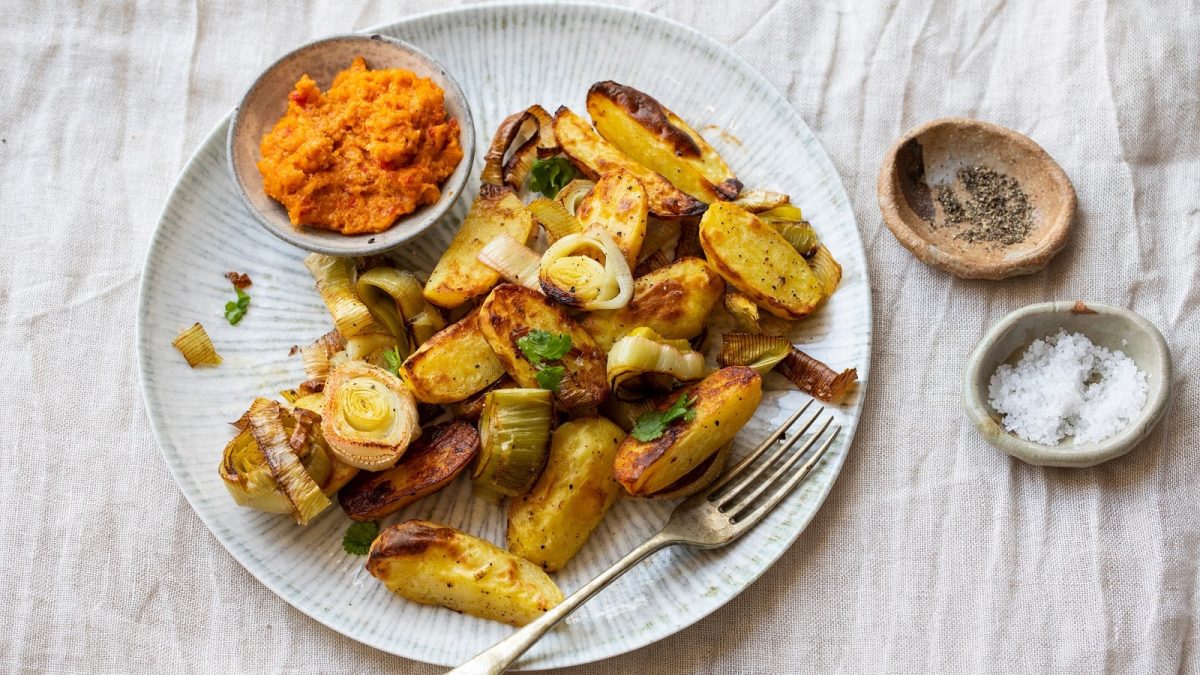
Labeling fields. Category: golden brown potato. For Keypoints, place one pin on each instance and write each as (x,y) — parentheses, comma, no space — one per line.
(459,276)
(438,565)
(759,262)
(453,364)
(511,312)
(428,466)
(618,205)
(659,140)
(597,157)
(548,525)
(699,478)
(675,301)
(723,403)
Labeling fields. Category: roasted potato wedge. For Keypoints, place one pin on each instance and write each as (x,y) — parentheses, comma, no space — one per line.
(597,157)
(699,478)
(618,205)
(459,276)
(675,301)
(548,525)
(659,140)
(511,312)
(723,403)
(453,364)
(759,262)
(428,466)
(438,565)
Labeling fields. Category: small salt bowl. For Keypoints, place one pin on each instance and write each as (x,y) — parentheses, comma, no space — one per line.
(266,101)
(1106,326)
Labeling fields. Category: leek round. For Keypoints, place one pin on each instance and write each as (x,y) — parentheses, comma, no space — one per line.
(369,417)
(644,363)
(587,271)
(514,431)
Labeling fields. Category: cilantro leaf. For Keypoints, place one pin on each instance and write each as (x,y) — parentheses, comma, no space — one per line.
(391,361)
(540,345)
(550,377)
(359,537)
(235,310)
(651,425)
(548,176)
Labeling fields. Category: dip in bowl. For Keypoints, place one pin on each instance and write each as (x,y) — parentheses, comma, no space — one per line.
(351,145)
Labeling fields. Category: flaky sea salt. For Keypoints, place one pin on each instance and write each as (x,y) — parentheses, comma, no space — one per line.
(1066,386)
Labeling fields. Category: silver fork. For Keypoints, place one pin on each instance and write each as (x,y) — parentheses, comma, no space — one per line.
(709,519)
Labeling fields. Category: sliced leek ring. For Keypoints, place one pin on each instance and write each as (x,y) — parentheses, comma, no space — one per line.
(573,193)
(369,416)
(303,494)
(513,260)
(799,234)
(587,271)
(760,352)
(554,218)
(196,347)
(514,432)
(644,363)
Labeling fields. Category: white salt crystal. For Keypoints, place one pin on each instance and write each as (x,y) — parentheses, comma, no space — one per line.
(1066,386)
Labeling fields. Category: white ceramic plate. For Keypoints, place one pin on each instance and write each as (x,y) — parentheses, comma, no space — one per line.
(505,57)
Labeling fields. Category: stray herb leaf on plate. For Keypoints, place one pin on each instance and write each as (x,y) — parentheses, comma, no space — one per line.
(359,536)
(236,309)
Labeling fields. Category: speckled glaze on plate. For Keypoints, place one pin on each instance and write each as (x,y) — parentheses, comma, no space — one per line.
(505,57)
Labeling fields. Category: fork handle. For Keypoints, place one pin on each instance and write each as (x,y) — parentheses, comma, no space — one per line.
(497,658)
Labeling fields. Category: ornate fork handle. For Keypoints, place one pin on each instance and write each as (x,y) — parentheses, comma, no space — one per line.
(497,658)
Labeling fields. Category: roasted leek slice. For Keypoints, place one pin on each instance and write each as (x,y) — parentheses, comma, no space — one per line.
(394,298)
(554,217)
(335,284)
(369,417)
(196,347)
(316,357)
(644,363)
(513,432)
(743,310)
(572,273)
(573,194)
(517,124)
(760,352)
(815,378)
(826,269)
(758,200)
(514,261)
(799,234)
(303,494)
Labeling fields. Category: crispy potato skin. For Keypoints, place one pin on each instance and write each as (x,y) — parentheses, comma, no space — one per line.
(459,276)
(597,157)
(657,138)
(511,312)
(619,205)
(724,402)
(429,465)
(674,300)
(759,262)
(438,565)
(553,521)
(453,364)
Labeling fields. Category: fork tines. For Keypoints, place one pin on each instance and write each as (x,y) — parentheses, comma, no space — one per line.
(741,497)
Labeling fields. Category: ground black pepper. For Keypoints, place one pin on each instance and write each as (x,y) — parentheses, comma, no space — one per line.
(997,209)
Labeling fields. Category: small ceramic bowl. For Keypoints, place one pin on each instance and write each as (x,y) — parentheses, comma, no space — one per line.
(266,101)
(1106,326)
(930,156)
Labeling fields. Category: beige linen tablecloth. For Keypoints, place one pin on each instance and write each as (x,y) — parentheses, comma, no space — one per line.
(934,553)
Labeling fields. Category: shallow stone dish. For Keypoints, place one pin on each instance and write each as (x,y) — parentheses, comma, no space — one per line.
(931,155)
(1106,326)
(266,101)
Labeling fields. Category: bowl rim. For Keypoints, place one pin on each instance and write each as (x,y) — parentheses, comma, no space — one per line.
(1032,260)
(372,243)
(1073,455)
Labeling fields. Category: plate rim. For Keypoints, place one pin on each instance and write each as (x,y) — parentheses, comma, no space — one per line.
(645,639)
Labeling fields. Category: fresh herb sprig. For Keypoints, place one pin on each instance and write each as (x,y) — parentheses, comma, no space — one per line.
(391,361)
(541,347)
(653,424)
(359,536)
(548,176)
(236,309)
